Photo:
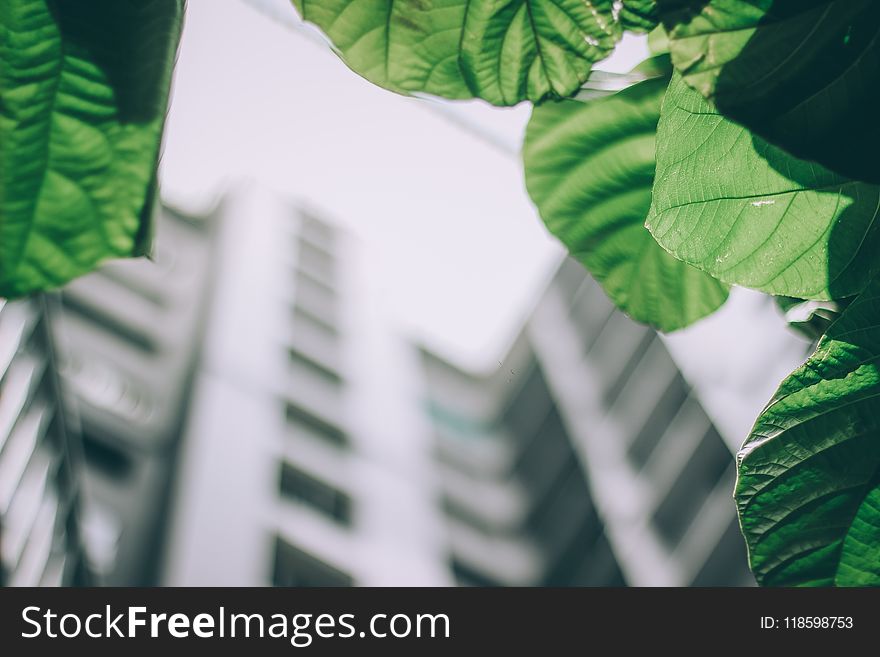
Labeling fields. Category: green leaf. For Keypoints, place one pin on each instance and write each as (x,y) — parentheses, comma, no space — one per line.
(804,74)
(589,168)
(750,214)
(84,92)
(639,15)
(503,51)
(808,490)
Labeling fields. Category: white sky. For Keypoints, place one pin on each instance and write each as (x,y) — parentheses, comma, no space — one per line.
(444,213)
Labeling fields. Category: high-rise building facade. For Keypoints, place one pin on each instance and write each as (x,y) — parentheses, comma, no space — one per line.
(517,503)
(39,485)
(584,458)
(128,339)
(305,460)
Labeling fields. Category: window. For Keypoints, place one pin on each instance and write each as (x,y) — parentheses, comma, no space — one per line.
(318,233)
(727,565)
(293,567)
(590,562)
(316,297)
(119,326)
(528,407)
(563,503)
(456,424)
(706,467)
(305,488)
(616,352)
(465,515)
(631,363)
(107,458)
(661,417)
(100,383)
(569,278)
(303,362)
(316,260)
(303,421)
(304,319)
(305,278)
(467,576)
(123,276)
(590,311)
(587,560)
(545,452)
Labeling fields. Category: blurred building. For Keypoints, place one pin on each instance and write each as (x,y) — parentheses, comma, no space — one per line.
(517,504)
(585,458)
(128,339)
(306,461)
(661,475)
(39,490)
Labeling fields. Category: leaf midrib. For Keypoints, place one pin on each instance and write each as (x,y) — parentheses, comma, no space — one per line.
(818,188)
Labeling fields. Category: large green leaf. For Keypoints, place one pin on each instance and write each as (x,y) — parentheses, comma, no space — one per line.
(808,490)
(589,168)
(84,89)
(749,213)
(503,51)
(804,74)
